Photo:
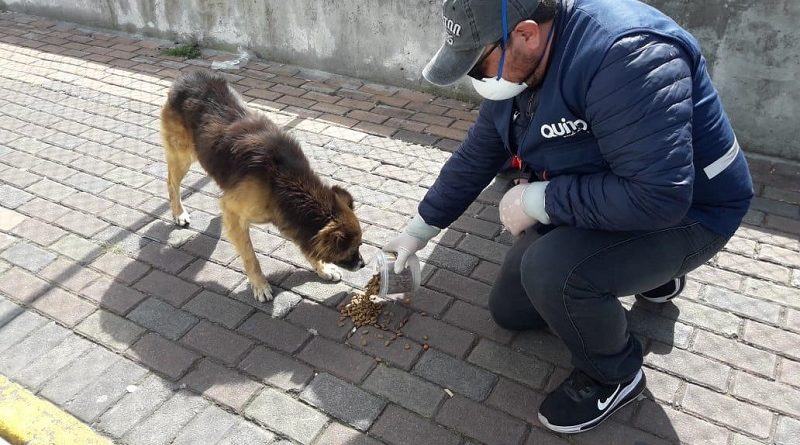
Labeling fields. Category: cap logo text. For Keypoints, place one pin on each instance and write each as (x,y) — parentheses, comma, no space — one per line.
(453,29)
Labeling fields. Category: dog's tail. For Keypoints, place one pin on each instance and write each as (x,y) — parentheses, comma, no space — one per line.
(202,94)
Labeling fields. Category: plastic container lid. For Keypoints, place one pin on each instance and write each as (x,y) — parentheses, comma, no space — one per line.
(396,284)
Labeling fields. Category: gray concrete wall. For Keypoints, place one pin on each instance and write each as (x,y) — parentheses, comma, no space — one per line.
(753,46)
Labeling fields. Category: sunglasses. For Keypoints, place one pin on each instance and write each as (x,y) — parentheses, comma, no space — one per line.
(477,70)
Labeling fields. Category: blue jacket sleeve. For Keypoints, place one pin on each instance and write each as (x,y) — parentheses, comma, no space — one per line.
(466,173)
(639,108)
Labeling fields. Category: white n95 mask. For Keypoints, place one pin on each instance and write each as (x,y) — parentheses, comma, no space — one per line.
(493,88)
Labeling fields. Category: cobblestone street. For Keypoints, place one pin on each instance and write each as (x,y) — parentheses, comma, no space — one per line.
(149,334)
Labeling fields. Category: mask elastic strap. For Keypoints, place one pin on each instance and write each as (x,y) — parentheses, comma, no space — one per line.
(504,20)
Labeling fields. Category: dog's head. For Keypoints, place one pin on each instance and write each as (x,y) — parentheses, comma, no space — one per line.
(339,240)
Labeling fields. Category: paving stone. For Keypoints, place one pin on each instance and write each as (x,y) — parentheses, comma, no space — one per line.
(460,287)
(164,257)
(39,232)
(439,335)
(506,362)
(737,354)
(274,332)
(320,319)
(455,375)
(51,190)
(788,431)
(717,277)
(276,369)
(777,340)
(486,272)
(78,375)
(170,289)
(77,248)
(706,317)
(689,366)
(517,400)
(217,308)
(397,426)
(740,304)
(375,343)
(209,426)
(430,301)
(37,343)
(110,330)
(480,422)
(338,434)
(221,384)
(343,401)
(766,392)
(217,342)
(168,321)
(162,355)
(727,410)
(28,256)
(478,320)
(11,197)
(213,248)
(134,406)
(659,328)
(166,422)
(8,311)
(309,285)
(104,391)
(41,369)
(748,266)
(286,415)
(69,274)
(112,295)
(784,295)
(63,306)
(456,262)
(674,425)
(245,433)
(790,372)
(283,301)
(121,267)
(212,276)
(544,345)
(404,389)
(539,437)
(613,432)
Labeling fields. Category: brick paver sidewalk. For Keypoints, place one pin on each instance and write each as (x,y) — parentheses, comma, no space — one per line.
(148,332)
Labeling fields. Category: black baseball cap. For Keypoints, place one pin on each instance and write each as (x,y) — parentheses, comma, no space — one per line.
(470,26)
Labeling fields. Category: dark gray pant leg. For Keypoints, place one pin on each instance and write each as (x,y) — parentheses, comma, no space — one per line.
(509,305)
(573,278)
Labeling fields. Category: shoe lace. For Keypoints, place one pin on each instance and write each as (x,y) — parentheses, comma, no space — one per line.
(578,386)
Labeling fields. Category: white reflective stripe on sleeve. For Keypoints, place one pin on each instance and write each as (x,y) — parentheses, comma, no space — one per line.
(723,162)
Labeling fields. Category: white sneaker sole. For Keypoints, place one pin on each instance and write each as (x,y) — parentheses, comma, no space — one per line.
(614,407)
(666,298)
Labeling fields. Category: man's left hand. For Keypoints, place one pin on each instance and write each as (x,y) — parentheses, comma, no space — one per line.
(523,206)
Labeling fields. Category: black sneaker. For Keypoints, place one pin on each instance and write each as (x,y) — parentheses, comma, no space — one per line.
(665,292)
(581,403)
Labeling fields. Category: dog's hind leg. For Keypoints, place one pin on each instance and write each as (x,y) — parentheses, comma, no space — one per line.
(238,230)
(180,153)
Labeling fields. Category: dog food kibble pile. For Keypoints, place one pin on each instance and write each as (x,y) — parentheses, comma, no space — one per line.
(362,309)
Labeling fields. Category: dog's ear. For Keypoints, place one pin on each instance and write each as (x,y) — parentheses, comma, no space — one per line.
(329,241)
(343,194)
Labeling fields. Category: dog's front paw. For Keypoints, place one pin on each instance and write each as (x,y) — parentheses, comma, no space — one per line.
(261,290)
(182,219)
(329,272)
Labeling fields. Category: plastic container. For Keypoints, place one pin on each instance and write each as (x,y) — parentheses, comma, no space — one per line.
(396,285)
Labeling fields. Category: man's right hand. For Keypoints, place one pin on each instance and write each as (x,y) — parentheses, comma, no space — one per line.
(413,239)
(404,245)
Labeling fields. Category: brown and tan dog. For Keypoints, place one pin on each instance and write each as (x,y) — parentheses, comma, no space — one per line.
(264,176)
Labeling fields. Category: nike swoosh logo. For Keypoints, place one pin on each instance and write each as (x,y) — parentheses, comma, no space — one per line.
(603,404)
